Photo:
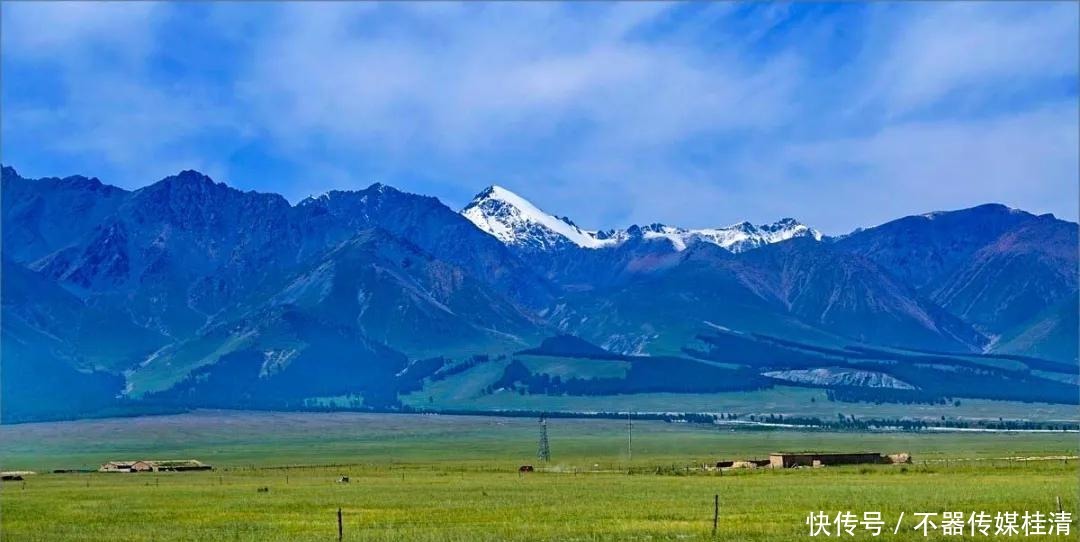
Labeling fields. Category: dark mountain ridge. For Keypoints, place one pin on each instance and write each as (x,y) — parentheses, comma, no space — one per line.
(999,269)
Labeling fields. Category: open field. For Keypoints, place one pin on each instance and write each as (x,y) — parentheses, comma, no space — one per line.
(245,439)
(454,478)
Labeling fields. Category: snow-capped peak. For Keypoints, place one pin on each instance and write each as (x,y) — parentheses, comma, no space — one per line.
(736,237)
(515,221)
(746,236)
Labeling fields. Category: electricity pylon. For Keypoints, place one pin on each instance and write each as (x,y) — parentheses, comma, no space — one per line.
(543,451)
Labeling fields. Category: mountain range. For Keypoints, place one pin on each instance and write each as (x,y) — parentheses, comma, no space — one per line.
(189,292)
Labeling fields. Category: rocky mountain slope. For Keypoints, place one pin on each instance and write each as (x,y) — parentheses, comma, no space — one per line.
(999,269)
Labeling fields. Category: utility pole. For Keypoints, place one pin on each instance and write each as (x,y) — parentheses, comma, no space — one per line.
(543,451)
(630,435)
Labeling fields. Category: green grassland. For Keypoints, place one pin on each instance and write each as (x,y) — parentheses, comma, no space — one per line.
(427,477)
(468,390)
(565,367)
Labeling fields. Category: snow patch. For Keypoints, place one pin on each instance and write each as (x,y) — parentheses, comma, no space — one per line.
(841,377)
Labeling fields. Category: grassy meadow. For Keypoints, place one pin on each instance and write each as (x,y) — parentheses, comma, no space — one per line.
(415,477)
(465,391)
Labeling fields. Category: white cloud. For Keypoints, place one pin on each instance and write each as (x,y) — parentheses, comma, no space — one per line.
(62,30)
(960,45)
(97,55)
(491,73)
(1026,160)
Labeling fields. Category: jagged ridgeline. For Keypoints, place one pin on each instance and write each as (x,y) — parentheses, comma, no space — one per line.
(189,293)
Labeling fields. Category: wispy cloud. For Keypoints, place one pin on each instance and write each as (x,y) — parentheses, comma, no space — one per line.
(81,91)
(462,80)
(58,32)
(977,47)
(610,113)
(1026,159)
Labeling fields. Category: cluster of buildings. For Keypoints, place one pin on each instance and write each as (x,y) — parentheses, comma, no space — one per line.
(148,465)
(789,460)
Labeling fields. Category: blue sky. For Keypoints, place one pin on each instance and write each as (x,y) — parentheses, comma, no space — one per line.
(842,115)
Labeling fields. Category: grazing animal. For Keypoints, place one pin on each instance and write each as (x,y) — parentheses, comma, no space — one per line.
(343,480)
(526,468)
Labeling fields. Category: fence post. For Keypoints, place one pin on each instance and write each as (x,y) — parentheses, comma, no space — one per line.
(715,512)
(1060,509)
(340,529)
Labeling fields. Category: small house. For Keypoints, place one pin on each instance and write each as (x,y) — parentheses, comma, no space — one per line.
(116,466)
(817,459)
